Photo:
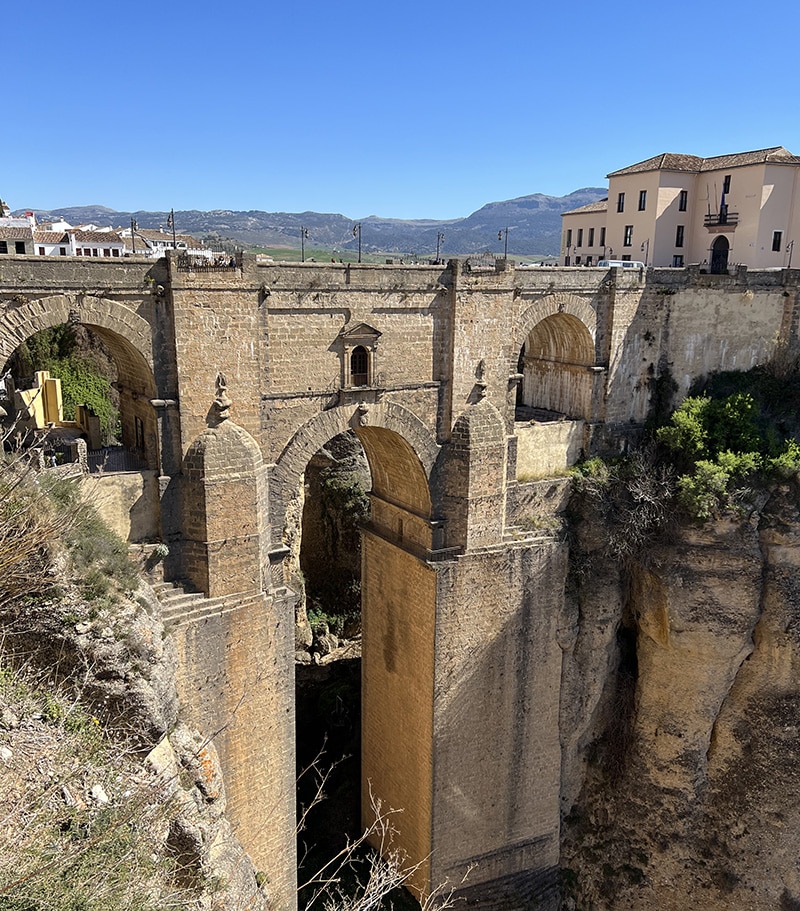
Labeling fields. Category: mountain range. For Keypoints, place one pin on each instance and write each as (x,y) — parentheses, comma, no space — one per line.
(533,222)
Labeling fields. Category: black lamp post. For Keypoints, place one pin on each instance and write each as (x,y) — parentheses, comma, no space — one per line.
(303,236)
(357,233)
(439,242)
(134,229)
(500,237)
(171,224)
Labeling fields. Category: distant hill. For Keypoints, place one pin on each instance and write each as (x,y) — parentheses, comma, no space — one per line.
(533,222)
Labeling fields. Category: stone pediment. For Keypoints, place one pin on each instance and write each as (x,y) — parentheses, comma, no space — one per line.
(360,333)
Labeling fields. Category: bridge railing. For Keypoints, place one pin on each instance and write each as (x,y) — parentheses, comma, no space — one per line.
(188,263)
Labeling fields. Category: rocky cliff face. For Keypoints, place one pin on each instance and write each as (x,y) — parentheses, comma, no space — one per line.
(681,730)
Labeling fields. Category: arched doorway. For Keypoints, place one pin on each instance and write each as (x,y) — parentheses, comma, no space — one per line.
(555,362)
(398,597)
(719,255)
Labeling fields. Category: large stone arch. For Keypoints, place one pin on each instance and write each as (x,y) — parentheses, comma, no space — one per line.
(411,441)
(399,590)
(556,345)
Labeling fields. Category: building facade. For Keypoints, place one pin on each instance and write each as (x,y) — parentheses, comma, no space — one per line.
(673,210)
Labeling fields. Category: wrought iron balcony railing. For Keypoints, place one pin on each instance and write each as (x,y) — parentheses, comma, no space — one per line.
(723,217)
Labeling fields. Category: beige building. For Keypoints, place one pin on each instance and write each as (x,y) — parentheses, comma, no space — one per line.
(673,210)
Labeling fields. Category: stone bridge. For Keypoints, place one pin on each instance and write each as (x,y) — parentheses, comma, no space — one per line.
(230,381)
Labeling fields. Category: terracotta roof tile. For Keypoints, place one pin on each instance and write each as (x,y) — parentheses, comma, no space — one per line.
(50,237)
(600,206)
(669,161)
(165,237)
(15,233)
(775,155)
(96,237)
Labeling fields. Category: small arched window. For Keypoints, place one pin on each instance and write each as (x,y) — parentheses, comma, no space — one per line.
(359,366)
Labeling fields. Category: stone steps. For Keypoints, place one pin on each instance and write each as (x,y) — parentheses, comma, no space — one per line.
(179,607)
(216,607)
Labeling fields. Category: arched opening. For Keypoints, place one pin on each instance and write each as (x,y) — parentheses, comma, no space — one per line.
(78,397)
(555,362)
(102,395)
(719,255)
(364,675)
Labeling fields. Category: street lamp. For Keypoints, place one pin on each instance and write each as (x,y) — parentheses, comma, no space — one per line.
(646,248)
(439,242)
(500,237)
(790,248)
(134,229)
(171,224)
(357,233)
(303,236)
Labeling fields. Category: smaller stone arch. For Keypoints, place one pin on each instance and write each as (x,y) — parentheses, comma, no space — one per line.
(557,360)
(127,336)
(20,323)
(550,305)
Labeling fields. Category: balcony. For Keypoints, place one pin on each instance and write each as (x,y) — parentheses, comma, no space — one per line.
(722,220)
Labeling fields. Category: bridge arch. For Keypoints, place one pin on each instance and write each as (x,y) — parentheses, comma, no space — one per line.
(398,604)
(395,458)
(556,343)
(127,336)
(111,320)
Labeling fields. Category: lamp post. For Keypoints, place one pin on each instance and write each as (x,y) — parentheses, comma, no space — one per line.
(303,236)
(790,248)
(357,233)
(439,242)
(171,224)
(134,229)
(646,248)
(500,237)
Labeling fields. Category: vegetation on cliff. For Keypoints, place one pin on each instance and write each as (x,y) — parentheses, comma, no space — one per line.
(87,691)
(736,433)
(681,616)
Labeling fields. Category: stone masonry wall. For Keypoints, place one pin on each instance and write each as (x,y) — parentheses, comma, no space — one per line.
(399,594)
(236,684)
(496,737)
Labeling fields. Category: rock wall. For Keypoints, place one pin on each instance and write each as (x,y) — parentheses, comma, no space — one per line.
(679,718)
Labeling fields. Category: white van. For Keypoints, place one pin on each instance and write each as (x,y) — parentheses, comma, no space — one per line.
(620,264)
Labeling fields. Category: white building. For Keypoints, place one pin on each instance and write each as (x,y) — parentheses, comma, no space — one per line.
(155,243)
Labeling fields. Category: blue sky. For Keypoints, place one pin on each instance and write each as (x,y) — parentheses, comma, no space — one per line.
(420,110)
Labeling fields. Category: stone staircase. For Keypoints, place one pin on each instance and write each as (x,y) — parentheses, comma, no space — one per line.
(180,607)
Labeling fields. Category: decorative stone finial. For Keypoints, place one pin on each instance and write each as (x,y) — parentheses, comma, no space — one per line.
(480,374)
(222,403)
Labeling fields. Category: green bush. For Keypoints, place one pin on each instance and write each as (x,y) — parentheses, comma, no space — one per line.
(722,446)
